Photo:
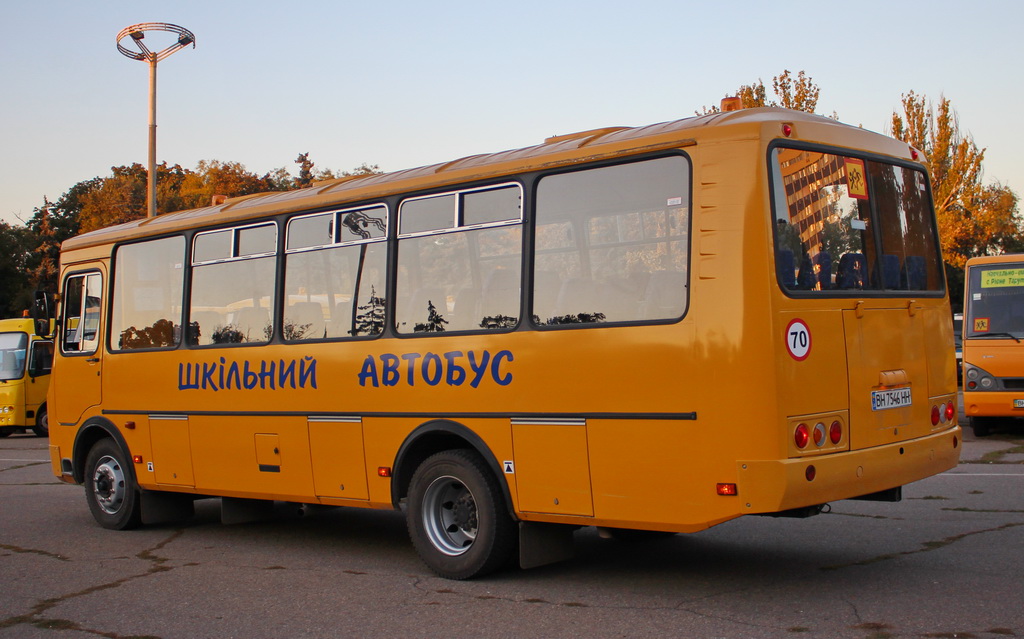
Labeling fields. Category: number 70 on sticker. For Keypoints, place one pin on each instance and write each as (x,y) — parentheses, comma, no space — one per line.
(798,340)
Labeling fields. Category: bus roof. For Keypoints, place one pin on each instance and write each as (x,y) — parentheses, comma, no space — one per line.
(557,151)
(23,324)
(1008,258)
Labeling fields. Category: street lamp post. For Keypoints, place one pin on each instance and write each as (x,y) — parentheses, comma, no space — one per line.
(137,32)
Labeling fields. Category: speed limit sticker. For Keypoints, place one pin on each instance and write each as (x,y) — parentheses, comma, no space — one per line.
(798,340)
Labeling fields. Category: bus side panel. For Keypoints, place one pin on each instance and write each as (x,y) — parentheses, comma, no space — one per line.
(339,463)
(172,455)
(670,486)
(553,468)
(263,457)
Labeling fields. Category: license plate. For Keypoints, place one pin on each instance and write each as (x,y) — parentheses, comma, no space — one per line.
(1018,403)
(892,398)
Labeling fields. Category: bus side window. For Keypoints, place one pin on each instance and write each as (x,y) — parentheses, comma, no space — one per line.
(81,313)
(612,244)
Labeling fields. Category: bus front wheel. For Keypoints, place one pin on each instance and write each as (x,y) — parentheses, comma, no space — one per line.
(42,427)
(110,488)
(457,517)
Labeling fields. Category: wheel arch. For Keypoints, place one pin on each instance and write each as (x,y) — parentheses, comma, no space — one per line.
(433,437)
(93,430)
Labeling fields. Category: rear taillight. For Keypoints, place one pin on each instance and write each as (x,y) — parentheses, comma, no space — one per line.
(835,432)
(943,413)
(802,436)
(819,434)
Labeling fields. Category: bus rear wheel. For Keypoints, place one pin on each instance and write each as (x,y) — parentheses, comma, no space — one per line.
(457,517)
(110,489)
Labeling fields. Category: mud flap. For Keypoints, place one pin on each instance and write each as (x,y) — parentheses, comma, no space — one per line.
(161,507)
(541,544)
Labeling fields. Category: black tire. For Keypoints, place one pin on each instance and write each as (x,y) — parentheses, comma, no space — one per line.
(982,426)
(457,516)
(42,427)
(6,432)
(110,487)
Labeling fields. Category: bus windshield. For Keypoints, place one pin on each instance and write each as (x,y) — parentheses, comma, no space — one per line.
(12,355)
(996,304)
(846,225)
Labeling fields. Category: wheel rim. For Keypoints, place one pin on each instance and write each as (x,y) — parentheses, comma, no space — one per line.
(108,485)
(450,516)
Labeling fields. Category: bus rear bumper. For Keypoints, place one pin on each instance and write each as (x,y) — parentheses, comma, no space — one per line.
(770,486)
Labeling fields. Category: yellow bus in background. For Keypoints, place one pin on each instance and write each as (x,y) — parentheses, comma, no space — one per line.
(993,355)
(651,329)
(25,361)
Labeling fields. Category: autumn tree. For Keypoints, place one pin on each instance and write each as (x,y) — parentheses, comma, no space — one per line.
(51,224)
(213,177)
(973,218)
(363,169)
(308,176)
(305,170)
(122,196)
(43,261)
(799,93)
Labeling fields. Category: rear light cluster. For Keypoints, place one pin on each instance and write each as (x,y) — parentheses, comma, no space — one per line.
(943,413)
(819,434)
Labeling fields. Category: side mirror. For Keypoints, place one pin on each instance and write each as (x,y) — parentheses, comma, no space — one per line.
(42,314)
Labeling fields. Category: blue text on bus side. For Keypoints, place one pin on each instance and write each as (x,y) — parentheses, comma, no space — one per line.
(224,375)
(455,368)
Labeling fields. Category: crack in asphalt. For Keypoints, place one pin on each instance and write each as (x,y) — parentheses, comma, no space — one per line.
(37,619)
(420,583)
(34,551)
(29,465)
(927,546)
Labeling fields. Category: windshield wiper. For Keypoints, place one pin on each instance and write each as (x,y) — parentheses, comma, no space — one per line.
(1010,335)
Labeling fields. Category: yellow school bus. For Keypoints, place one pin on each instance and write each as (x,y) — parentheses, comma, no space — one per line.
(654,329)
(25,360)
(993,355)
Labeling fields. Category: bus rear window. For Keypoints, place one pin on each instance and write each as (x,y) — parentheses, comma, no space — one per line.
(846,225)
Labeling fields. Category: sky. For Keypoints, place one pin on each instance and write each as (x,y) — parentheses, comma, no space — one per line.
(403,84)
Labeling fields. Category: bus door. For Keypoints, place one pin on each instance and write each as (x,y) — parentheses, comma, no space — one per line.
(40,360)
(78,381)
